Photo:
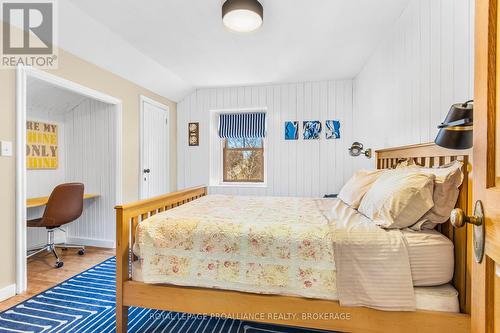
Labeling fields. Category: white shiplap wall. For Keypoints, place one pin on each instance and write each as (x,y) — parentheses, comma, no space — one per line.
(87,146)
(294,168)
(90,134)
(423,66)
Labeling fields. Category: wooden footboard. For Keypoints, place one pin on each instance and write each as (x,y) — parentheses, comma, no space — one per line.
(127,218)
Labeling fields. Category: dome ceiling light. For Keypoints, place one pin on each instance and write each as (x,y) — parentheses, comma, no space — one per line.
(242,15)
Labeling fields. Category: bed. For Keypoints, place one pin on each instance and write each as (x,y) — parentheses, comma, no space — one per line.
(261,290)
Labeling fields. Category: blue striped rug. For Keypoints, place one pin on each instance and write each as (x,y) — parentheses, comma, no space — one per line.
(86,303)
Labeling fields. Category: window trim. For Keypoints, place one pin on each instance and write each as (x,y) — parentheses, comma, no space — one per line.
(216,176)
(253,181)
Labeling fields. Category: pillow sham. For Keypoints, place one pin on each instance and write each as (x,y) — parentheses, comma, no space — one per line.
(399,198)
(446,190)
(356,187)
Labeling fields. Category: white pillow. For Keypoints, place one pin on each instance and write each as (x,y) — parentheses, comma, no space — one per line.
(399,198)
(446,190)
(356,187)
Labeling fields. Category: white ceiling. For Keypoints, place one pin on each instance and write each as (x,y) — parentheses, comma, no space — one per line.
(301,40)
(49,99)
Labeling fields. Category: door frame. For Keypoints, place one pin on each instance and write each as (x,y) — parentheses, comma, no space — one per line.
(22,75)
(144,99)
(486,111)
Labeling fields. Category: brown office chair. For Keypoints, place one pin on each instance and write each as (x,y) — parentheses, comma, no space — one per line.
(64,206)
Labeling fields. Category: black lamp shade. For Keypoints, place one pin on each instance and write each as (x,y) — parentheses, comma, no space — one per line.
(456,130)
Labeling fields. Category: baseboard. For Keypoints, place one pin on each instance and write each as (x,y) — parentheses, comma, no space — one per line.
(91,242)
(7,292)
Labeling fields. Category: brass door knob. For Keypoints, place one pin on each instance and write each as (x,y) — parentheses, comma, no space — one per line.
(458,218)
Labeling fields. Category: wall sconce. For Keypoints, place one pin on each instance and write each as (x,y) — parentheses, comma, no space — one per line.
(357,149)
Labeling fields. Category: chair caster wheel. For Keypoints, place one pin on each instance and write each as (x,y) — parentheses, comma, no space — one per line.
(59,264)
(81,252)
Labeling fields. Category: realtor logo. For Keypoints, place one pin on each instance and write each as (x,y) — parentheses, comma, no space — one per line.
(28,34)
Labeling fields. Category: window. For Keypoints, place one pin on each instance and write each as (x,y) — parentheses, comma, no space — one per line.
(243,160)
(242,142)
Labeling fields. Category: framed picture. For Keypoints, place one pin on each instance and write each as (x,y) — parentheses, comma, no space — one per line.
(42,150)
(312,130)
(291,130)
(194,134)
(332,130)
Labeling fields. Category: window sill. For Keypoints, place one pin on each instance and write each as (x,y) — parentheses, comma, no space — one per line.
(247,185)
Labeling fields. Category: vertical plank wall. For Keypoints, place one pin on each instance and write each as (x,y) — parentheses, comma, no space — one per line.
(90,134)
(423,66)
(294,168)
(87,146)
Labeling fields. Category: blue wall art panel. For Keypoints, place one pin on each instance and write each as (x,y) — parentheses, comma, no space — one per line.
(312,130)
(291,130)
(332,129)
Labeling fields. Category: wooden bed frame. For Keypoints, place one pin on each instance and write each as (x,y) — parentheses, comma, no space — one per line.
(285,310)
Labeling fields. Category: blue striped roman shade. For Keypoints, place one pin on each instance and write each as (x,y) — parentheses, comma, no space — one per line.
(242,125)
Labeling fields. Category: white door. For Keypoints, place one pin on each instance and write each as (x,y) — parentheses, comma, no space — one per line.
(154,171)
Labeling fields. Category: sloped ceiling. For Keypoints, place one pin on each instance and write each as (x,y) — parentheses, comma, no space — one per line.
(184,45)
(50,99)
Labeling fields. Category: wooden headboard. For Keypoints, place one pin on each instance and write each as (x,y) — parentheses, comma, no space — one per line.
(431,155)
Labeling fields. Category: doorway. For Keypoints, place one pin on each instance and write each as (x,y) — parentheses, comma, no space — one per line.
(77,112)
(154,171)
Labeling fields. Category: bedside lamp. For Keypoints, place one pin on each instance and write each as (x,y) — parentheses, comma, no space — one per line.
(456,130)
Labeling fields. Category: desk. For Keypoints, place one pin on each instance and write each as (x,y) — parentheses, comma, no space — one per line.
(42,201)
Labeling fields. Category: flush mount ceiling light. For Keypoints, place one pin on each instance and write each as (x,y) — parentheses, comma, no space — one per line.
(242,15)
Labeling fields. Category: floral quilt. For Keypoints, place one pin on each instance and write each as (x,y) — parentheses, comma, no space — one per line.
(253,244)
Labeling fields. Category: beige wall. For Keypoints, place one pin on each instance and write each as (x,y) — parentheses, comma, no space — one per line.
(82,72)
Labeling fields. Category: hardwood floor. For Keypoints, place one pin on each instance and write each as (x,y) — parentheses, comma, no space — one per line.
(42,275)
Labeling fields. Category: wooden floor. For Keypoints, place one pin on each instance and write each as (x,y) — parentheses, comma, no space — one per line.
(42,275)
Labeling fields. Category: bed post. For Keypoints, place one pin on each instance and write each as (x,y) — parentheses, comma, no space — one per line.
(122,269)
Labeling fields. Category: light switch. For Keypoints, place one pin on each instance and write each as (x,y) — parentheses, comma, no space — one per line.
(5,148)
(497,269)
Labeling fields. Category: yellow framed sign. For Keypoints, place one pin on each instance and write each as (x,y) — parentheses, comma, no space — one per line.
(41,148)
